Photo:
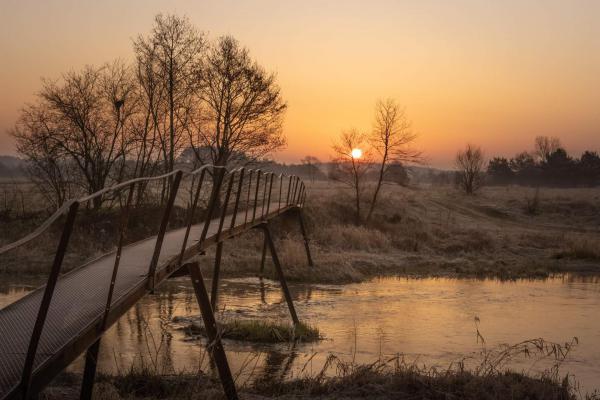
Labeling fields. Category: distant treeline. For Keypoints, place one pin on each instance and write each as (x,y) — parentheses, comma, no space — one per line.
(12,167)
(548,165)
(319,171)
(15,168)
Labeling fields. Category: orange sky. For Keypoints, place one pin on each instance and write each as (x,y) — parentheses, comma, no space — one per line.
(494,73)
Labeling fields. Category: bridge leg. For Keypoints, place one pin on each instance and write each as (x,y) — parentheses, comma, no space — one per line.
(89,372)
(214,294)
(46,300)
(305,237)
(284,287)
(214,341)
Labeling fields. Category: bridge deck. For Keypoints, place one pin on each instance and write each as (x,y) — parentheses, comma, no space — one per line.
(79,302)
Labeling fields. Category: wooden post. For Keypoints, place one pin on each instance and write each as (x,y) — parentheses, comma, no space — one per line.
(248,197)
(191,213)
(215,281)
(305,237)
(89,371)
(214,198)
(258,173)
(162,230)
(284,287)
(47,298)
(91,355)
(214,341)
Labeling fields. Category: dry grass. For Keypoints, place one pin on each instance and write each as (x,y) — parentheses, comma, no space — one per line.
(432,232)
(441,232)
(579,247)
(394,379)
(350,237)
(261,331)
(414,231)
(391,378)
(141,383)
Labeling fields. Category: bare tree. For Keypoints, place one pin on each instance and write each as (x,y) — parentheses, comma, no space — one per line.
(240,110)
(46,163)
(351,165)
(544,146)
(82,117)
(168,61)
(392,138)
(311,163)
(146,126)
(469,165)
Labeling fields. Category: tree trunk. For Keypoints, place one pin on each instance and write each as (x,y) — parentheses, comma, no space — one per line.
(357,206)
(379,183)
(357,191)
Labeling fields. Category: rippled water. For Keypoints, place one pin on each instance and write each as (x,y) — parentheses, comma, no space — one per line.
(429,321)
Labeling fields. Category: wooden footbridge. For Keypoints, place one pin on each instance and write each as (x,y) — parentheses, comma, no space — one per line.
(43,332)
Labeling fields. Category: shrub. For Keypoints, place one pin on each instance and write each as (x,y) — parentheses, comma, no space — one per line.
(532,205)
(580,248)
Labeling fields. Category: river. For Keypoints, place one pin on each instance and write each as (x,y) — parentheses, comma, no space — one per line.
(428,321)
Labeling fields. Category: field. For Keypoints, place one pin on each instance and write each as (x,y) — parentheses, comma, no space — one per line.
(427,231)
(503,232)
(508,232)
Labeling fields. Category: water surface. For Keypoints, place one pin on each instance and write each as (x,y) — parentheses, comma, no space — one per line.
(428,321)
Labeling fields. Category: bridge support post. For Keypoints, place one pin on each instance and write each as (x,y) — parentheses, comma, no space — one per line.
(305,237)
(89,371)
(214,294)
(91,355)
(162,230)
(284,287)
(214,341)
(46,299)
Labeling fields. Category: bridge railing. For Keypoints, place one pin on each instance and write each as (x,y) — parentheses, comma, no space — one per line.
(252,191)
(212,197)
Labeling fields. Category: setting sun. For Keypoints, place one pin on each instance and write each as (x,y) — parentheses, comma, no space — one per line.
(356,153)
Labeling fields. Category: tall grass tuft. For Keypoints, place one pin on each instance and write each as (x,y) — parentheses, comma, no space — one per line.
(579,247)
(263,331)
(394,378)
(532,204)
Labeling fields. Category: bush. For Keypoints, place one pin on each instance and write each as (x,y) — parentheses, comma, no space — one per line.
(532,205)
(580,248)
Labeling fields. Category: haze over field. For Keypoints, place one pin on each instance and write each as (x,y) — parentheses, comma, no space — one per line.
(497,74)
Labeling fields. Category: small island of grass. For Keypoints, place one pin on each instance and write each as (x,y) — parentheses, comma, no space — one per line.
(262,331)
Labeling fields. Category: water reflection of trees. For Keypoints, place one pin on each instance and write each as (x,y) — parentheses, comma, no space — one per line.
(277,364)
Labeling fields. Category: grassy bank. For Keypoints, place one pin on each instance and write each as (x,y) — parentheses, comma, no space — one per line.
(486,374)
(422,232)
(379,382)
(363,382)
(383,379)
(415,232)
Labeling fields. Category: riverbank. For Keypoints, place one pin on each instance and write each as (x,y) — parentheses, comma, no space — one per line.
(415,232)
(431,321)
(383,380)
(433,232)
